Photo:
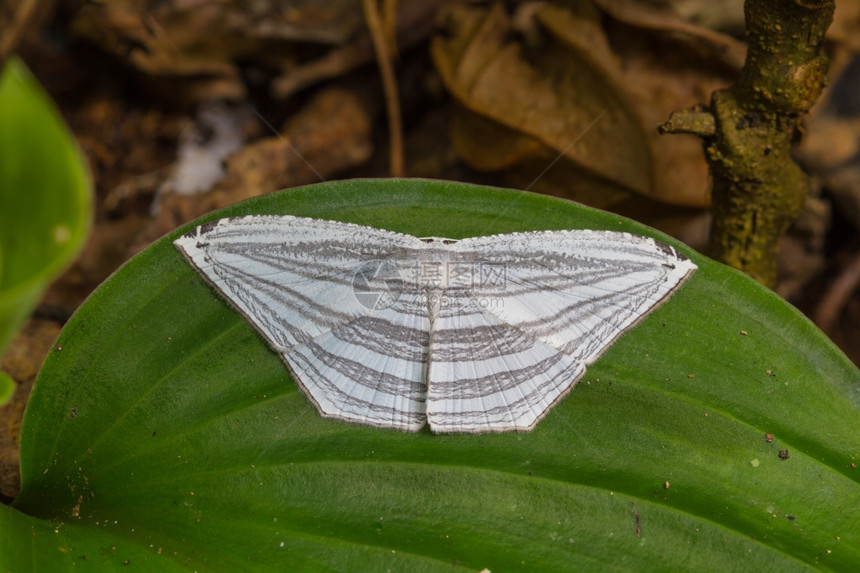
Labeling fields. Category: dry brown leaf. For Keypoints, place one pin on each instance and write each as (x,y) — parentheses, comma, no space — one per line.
(194,48)
(696,41)
(845,29)
(535,95)
(540,100)
(330,134)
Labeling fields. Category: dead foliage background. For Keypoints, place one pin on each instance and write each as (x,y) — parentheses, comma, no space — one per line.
(185,107)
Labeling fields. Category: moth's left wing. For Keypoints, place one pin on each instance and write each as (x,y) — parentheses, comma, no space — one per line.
(327,298)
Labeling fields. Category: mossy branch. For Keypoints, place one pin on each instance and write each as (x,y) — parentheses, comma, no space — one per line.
(748,130)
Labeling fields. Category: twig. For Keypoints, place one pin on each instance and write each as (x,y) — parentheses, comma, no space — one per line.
(830,309)
(749,128)
(389,85)
(21,23)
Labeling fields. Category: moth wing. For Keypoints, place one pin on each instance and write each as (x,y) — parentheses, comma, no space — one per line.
(488,376)
(530,312)
(334,299)
(576,290)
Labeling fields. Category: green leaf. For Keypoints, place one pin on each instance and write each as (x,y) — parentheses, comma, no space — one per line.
(163,431)
(45,196)
(7,387)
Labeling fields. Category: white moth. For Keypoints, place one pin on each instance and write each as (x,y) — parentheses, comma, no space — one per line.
(479,335)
